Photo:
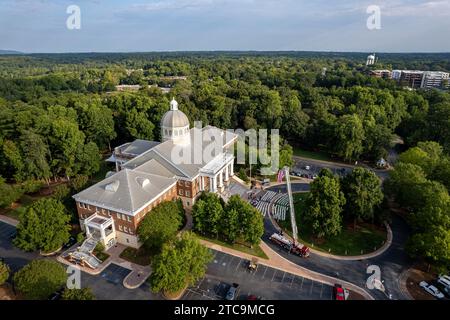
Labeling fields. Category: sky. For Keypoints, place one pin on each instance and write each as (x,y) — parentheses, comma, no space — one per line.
(191,25)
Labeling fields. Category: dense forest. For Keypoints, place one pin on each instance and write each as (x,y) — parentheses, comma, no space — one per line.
(59,112)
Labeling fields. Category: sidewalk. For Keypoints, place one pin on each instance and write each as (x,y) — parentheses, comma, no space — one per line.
(133,280)
(278,262)
(8,220)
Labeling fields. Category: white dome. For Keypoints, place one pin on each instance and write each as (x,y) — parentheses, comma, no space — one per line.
(175,125)
(174,118)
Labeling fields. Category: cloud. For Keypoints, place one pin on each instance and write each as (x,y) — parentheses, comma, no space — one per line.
(160,5)
(440,8)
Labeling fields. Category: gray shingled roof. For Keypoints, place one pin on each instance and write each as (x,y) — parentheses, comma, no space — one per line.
(163,153)
(127,191)
(138,147)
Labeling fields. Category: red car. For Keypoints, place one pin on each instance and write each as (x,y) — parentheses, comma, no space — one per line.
(339,292)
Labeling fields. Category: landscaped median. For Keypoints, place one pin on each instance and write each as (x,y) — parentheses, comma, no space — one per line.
(254,250)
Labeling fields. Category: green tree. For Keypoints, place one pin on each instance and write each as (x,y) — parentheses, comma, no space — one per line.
(36,152)
(78,294)
(8,193)
(4,272)
(402,182)
(40,278)
(88,159)
(242,220)
(44,225)
(181,263)
(207,213)
(138,126)
(12,153)
(362,190)
(161,225)
(349,137)
(324,206)
(433,244)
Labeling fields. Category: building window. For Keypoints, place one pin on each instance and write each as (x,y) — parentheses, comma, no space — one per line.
(128,218)
(120,228)
(180,182)
(125,229)
(109,213)
(128,241)
(188,193)
(79,205)
(180,192)
(188,184)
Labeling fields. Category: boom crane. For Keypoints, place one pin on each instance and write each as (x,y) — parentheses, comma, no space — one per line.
(291,205)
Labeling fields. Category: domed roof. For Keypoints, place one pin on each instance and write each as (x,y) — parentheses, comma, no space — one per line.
(174,118)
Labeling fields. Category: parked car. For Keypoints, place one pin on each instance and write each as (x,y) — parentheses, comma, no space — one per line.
(232,292)
(431,290)
(444,281)
(340,293)
(252,297)
(446,277)
(307,168)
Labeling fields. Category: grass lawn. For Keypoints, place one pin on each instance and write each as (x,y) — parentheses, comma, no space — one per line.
(101,255)
(141,256)
(255,251)
(312,154)
(364,239)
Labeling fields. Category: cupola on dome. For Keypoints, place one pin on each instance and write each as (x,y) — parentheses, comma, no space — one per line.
(175,125)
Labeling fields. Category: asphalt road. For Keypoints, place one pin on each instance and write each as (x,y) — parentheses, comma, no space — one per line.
(336,168)
(392,262)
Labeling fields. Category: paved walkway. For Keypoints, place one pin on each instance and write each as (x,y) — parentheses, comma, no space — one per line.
(133,280)
(278,262)
(8,220)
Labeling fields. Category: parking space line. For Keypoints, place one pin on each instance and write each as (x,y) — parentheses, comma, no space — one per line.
(321,289)
(292,281)
(284,273)
(264,272)
(274,275)
(301,286)
(312,285)
(239,263)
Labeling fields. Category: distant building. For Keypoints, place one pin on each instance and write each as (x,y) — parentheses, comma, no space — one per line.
(385,74)
(411,78)
(371,60)
(435,79)
(396,74)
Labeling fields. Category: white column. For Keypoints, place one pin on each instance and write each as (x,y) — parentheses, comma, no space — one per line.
(202,183)
(220,179)
(214,184)
(226,173)
(102,233)
(232,168)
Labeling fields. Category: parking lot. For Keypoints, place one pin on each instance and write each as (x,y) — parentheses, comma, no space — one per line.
(310,169)
(266,283)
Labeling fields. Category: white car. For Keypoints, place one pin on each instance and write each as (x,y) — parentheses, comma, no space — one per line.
(447,278)
(431,290)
